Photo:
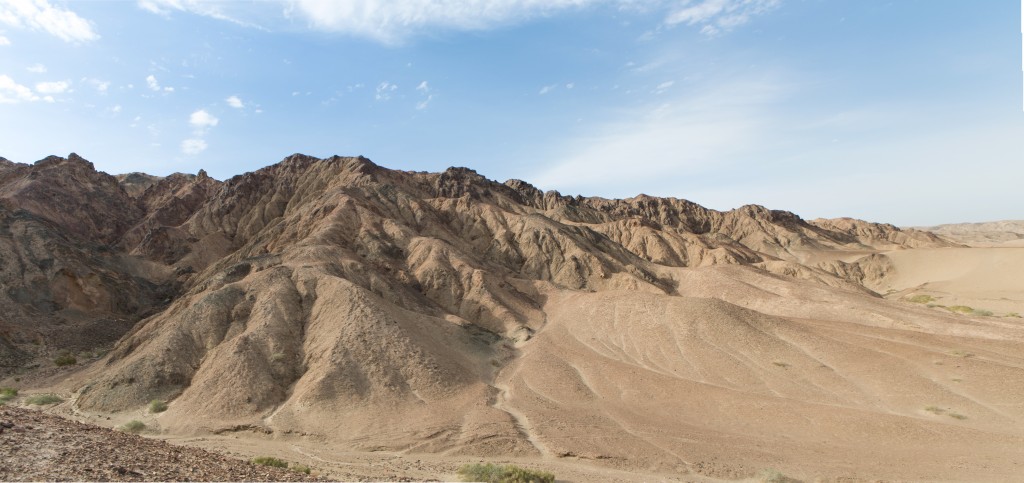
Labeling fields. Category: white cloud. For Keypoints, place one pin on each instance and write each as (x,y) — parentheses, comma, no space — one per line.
(546,89)
(154,85)
(235,102)
(41,16)
(37,69)
(384,90)
(570,85)
(716,16)
(662,144)
(663,86)
(4,41)
(206,8)
(424,89)
(202,119)
(101,86)
(390,21)
(11,92)
(116,109)
(58,87)
(193,146)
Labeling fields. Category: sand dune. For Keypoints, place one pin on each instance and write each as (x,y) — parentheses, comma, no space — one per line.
(981,278)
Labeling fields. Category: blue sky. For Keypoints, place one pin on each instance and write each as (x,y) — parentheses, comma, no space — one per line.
(907,112)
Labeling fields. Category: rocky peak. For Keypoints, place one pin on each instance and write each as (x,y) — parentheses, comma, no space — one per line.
(70,192)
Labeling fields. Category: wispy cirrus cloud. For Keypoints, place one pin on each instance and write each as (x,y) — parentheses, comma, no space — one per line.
(384,91)
(424,90)
(39,15)
(716,16)
(392,22)
(207,8)
(667,141)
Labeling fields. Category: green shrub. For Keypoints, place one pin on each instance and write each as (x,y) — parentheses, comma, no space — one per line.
(65,360)
(503,474)
(957,416)
(7,393)
(270,461)
(982,312)
(774,476)
(44,399)
(920,299)
(301,468)
(1013,314)
(935,409)
(133,426)
(157,406)
(960,309)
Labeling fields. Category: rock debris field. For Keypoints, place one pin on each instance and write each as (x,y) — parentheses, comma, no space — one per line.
(35,446)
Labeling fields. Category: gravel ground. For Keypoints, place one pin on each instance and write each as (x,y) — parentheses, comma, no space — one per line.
(36,446)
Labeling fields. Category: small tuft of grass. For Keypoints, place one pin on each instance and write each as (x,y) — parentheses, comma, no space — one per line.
(133,426)
(960,309)
(492,473)
(920,299)
(775,476)
(935,410)
(157,406)
(277,357)
(270,461)
(960,353)
(301,468)
(44,399)
(957,416)
(982,312)
(65,360)
(7,393)
(781,364)
(957,379)
(1014,315)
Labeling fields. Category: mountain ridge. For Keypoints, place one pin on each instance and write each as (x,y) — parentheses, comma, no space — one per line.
(379,309)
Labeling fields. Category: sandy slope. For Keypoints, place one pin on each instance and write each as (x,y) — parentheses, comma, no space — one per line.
(983,278)
(816,383)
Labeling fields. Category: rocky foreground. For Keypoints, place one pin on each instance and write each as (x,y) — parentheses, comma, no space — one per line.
(36,446)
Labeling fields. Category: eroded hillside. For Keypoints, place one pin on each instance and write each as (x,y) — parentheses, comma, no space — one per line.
(445,312)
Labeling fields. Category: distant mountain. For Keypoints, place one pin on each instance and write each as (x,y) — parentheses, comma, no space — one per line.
(992,233)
